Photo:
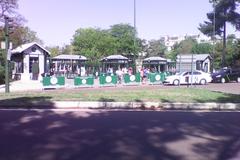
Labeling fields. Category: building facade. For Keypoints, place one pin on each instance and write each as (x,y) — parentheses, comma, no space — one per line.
(27,58)
(170,41)
(188,62)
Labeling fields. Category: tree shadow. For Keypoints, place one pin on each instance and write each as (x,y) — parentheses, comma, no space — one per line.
(106,99)
(226,98)
(140,104)
(118,135)
(41,102)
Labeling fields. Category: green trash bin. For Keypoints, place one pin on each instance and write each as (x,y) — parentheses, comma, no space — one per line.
(84,81)
(132,79)
(107,80)
(53,82)
(156,78)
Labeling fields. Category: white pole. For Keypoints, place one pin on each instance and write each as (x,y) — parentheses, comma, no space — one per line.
(135,30)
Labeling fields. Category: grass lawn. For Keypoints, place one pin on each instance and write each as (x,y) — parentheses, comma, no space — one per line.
(171,95)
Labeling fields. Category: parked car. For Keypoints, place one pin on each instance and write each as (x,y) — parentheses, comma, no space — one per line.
(195,77)
(226,75)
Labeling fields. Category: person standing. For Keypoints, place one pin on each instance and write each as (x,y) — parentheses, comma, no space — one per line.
(141,74)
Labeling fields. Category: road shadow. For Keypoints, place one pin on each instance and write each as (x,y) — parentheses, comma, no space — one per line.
(122,135)
(41,102)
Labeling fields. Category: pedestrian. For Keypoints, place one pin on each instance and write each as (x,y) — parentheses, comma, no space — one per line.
(130,71)
(119,74)
(145,74)
(141,74)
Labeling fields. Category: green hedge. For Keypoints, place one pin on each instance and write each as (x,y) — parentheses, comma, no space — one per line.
(2,75)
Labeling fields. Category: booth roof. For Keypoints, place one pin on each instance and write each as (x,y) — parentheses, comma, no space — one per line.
(155,59)
(24,47)
(196,57)
(115,57)
(69,57)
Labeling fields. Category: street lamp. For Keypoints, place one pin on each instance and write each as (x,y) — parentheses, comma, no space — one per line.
(214,30)
(135,15)
(7,56)
(135,30)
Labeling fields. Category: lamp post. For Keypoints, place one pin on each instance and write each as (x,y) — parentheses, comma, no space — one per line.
(135,30)
(7,54)
(135,15)
(214,30)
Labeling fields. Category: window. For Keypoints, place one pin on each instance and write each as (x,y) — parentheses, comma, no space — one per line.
(196,73)
(187,73)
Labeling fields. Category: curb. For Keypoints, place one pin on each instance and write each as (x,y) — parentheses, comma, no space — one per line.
(147,105)
(122,105)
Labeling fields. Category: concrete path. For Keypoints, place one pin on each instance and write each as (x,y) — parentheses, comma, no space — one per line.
(17,86)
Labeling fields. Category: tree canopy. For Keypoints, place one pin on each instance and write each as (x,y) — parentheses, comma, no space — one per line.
(93,43)
(21,35)
(156,48)
(96,43)
(8,8)
(125,37)
(224,11)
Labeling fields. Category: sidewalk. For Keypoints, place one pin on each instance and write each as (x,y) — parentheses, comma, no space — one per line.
(31,85)
(23,86)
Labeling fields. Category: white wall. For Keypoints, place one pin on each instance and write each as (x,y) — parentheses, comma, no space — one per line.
(26,75)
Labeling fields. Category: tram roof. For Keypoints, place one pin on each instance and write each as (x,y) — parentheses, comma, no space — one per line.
(114,57)
(70,57)
(155,59)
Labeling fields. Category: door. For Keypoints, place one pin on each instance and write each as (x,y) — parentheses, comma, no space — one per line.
(31,61)
(185,78)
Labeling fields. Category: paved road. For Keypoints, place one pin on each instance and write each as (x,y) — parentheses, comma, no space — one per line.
(119,135)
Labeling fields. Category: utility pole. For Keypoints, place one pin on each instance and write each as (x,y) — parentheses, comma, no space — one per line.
(214,30)
(135,15)
(6,56)
(135,32)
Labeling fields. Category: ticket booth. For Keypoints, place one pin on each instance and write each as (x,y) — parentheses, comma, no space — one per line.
(29,58)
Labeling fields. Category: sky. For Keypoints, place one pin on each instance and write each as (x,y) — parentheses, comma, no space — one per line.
(56,21)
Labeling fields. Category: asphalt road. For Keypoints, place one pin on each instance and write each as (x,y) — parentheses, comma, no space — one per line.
(119,135)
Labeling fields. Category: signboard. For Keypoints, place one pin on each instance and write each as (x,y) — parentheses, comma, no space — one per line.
(9,54)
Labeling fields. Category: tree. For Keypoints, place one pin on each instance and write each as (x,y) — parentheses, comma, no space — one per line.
(225,11)
(233,50)
(67,49)
(54,50)
(125,37)
(57,50)
(7,9)
(156,48)
(200,48)
(21,35)
(186,46)
(93,43)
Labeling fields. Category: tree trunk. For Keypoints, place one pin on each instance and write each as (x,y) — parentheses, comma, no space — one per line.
(224,44)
